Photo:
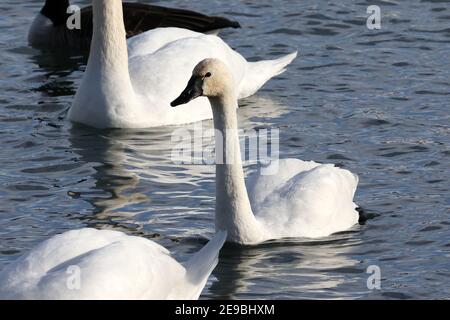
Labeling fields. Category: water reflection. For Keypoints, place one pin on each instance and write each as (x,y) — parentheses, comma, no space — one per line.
(302,269)
(114,186)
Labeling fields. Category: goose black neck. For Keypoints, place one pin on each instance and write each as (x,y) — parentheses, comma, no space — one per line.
(56,11)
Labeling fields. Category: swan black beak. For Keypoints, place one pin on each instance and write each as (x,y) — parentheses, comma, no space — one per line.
(193,90)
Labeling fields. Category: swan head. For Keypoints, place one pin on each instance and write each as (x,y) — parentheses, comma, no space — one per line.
(211,78)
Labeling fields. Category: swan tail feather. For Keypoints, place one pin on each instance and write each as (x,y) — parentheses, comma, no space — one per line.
(258,73)
(200,266)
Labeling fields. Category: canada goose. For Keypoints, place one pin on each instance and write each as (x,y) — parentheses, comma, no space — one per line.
(49,29)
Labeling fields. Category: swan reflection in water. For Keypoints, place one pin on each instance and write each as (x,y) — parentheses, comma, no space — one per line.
(289,267)
(113,185)
(133,185)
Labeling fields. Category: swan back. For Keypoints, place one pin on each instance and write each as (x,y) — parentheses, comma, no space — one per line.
(101,264)
(304,199)
(112,266)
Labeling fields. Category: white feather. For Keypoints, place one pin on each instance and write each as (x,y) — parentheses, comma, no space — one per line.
(111,265)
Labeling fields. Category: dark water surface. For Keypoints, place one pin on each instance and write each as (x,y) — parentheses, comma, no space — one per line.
(373,101)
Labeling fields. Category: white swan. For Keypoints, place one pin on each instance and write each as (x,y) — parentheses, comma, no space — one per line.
(132,93)
(301,199)
(49,30)
(101,264)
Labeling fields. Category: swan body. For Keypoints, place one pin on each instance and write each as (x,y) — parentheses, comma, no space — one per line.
(110,265)
(122,89)
(49,29)
(315,199)
(293,198)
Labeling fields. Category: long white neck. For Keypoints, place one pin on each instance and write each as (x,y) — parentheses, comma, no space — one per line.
(233,211)
(106,97)
(109,52)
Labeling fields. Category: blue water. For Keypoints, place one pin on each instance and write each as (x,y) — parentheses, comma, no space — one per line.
(373,101)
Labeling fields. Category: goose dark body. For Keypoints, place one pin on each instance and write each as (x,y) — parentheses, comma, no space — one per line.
(138,18)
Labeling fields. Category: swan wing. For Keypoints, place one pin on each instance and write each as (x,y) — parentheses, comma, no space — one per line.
(153,40)
(267,179)
(159,77)
(167,70)
(110,265)
(312,203)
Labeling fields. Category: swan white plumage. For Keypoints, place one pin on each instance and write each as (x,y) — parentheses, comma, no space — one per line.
(297,198)
(118,91)
(110,265)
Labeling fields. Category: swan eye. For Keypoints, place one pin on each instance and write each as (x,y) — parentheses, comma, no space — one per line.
(208,74)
